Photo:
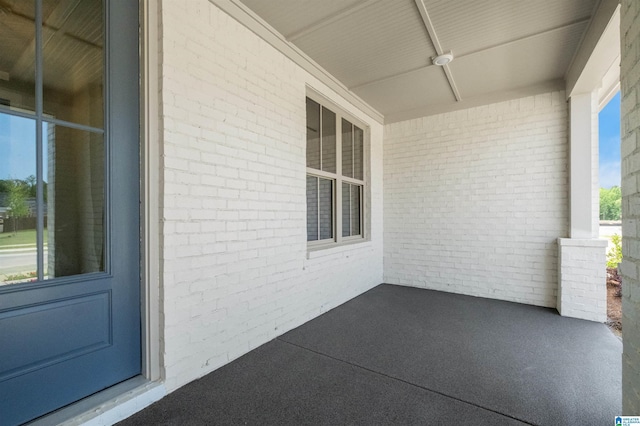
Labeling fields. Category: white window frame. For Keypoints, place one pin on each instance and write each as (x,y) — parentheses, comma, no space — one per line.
(337,178)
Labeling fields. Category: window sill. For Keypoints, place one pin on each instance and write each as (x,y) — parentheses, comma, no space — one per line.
(331,249)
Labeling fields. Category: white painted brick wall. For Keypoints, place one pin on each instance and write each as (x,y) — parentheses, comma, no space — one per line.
(474,200)
(235,267)
(582,292)
(630,112)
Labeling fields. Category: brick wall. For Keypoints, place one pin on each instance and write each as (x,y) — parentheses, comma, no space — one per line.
(236,272)
(475,199)
(630,88)
(582,291)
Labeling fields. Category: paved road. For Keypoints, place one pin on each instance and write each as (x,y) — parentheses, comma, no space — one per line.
(18,260)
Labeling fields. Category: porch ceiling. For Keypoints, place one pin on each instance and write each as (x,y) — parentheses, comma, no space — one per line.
(382,49)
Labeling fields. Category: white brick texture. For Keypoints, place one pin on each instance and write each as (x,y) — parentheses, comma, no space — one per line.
(236,273)
(630,114)
(474,200)
(582,292)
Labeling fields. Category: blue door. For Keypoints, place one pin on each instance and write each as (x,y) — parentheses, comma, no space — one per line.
(69,202)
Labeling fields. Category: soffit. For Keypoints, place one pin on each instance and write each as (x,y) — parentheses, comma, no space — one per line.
(378,41)
(291,17)
(470,26)
(517,65)
(381,49)
(406,92)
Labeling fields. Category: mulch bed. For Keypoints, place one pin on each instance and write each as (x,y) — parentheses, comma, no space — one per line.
(614,301)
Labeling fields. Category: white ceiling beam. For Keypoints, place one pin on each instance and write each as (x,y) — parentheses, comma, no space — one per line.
(329,19)
(452,82)
(422,8)
(426,19)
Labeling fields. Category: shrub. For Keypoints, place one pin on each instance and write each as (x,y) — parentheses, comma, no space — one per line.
(614,256)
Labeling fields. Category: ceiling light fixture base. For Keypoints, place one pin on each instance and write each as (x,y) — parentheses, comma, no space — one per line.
(443,59)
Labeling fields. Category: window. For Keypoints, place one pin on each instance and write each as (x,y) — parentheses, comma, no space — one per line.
(335,176)
(52,140)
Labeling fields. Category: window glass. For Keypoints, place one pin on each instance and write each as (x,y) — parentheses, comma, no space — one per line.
(354,208)
(69,213)
(327,213)
(351,201)
(18,250)
(328,141)
(73,61)
(312,208)
(17,61)
(325,199)
(319,208)
(358,153)
(347,148)
(74,182)
(346,213)
(313,134)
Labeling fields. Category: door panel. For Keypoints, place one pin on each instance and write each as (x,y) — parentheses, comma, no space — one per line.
(74,328)
(54,318)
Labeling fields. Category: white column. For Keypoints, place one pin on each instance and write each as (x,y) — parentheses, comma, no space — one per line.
(583,138)
(582,289)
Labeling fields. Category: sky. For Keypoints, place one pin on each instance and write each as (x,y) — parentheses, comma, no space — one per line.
(17,147)
(609,135)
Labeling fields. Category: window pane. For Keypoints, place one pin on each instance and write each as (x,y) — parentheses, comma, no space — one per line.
(18,252)
(351,201)
(347,148)
(17,57)
(312,208)
(358,153)
(73,61)
(356,202)
(313,134)
(346,210)
(74,193)
(326,209)
(328,141)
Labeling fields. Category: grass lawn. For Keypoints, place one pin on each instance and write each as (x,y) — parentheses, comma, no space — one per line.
(21,237)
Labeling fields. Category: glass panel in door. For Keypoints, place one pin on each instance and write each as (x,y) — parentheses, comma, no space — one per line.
(18,249)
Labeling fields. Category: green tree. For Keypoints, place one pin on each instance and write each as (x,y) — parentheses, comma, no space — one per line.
(17,202)
(30,181)
(610,203)
(5,184)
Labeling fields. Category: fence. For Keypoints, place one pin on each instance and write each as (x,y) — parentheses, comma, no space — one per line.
(21,224)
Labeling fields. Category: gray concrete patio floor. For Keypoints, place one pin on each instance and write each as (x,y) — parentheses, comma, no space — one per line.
(399,355)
